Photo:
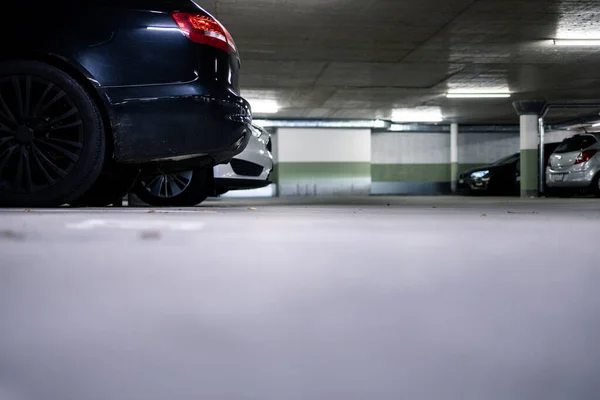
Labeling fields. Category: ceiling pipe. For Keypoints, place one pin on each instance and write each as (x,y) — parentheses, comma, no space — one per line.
(379,126)
(445,128)
(550,106)
(576,122)
(325,123)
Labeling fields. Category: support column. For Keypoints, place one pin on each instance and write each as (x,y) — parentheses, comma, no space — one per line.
(529,114)
(454,157)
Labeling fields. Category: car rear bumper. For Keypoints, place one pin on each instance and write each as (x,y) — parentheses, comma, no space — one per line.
(466,185)
(224,185)
(577,179)
(175,122)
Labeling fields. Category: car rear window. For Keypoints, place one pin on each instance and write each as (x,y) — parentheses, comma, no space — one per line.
(576,143)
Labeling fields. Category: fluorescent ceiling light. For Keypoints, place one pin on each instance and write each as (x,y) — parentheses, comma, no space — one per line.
(433,114)
(577,42)
(260,106)
(477,94)
(365,124)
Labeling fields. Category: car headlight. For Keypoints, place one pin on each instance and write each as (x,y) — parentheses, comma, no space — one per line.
(480,174)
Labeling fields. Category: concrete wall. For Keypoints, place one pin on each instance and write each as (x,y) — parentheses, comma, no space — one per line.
(356,162)
(483,148)
(419,163)
(557,136)
(321,162)
(410,163)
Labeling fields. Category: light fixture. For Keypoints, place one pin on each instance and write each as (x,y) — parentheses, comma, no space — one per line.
(478,94)
(261,106)
(596,125)
(577,42)
(364,124)
(422,114)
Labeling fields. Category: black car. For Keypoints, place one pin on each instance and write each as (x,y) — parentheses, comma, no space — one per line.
(92,91)
(501,177)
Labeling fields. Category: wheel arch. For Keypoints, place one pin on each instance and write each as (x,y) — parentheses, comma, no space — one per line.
(82,76)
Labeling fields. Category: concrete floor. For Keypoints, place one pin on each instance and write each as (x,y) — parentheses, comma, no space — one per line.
(295,299)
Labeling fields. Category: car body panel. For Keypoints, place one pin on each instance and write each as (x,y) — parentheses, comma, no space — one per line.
(501,177)
(256,153)
(165,96)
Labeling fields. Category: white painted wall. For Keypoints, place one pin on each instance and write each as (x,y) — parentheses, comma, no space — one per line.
(323,145)
(484,148)
(557,136)
(410,148)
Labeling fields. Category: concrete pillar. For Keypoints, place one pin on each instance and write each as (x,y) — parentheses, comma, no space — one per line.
(529,156)
(454,157)
(529,114)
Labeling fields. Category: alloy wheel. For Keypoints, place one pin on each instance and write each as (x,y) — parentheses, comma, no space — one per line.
(41,134)
(168,185)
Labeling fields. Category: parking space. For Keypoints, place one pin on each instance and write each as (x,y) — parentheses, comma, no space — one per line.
(262,296)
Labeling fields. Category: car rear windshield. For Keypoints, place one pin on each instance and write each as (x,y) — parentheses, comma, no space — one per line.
(576,143)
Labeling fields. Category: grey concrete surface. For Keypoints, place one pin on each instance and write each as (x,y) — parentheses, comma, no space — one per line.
(294,299)
(407,54)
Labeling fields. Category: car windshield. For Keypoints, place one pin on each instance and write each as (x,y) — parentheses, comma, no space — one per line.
(507,159)
(576,143)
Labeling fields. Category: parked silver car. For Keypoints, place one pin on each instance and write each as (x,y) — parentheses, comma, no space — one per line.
(575,164)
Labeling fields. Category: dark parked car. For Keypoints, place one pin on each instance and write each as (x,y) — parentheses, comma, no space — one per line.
(501,177)
(92,91)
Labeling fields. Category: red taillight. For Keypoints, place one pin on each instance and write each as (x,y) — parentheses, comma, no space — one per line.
(206,30)
(585,156)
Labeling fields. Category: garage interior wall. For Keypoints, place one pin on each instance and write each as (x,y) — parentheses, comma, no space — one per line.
(419,162)
(398,163)
(410,163)
(313,162)
(475,149)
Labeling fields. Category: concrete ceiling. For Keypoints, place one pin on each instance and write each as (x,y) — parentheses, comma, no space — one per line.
(364,58)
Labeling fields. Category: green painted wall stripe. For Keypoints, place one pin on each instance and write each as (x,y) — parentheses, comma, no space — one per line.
(322,172)
(333,172)
(418,172)
(529,170)
(410,172)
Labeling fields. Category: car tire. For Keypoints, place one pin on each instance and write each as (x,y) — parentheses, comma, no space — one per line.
(596,185)
(52,136)
(111,186)
(196,190)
